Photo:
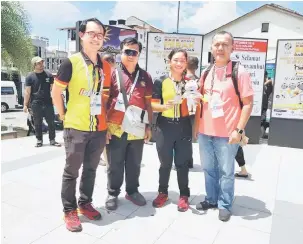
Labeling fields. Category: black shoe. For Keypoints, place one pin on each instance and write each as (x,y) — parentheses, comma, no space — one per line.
(111,202)
(205,206)
(224,215)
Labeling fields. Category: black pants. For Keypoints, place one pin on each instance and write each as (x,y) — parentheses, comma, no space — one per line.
(81,147)
(123,154)
(41,111)
(177,138)
(240,157)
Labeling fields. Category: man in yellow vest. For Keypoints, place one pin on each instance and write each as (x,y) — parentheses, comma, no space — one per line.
(88,80)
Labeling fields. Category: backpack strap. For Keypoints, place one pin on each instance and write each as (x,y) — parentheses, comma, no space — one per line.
(234,77)
(205,74)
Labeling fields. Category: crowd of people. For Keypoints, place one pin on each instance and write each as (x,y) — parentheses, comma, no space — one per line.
(110,111)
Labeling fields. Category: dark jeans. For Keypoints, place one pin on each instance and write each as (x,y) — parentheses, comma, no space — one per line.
(240,157)
(123,154)
(81,148)
(174,137)
(41,111)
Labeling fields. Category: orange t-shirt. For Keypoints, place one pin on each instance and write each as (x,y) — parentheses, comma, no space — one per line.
(225,125)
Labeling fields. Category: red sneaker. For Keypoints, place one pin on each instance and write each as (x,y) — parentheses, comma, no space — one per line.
(160,200)
(72,221)
(183,204)
(89,211)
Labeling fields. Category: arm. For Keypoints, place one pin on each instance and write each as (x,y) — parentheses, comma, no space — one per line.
(27,92)
(61,82)
(148,96)
(157,98)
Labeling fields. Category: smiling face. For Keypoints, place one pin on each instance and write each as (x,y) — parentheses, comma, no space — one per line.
(222,47)
(178,63)
(130,54)
(93,36)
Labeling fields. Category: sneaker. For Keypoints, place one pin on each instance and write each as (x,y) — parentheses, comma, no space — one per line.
(183,204)
(54,143)
(111,202)
(136,198)
(224,215)
(39,143)
(205,205)
(89,211)
(160,200)
(72,221)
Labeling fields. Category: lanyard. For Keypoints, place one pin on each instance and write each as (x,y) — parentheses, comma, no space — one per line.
(213,78)
(178,91)
(94,78)
(133,85)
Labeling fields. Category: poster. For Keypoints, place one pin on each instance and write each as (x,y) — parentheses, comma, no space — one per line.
(288,87)
(160,45)
(271,68)
(114,36)
(251,53)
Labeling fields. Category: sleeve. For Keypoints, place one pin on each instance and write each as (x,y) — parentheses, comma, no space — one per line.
(149,86)
(157,91)
(29,80)
(114,91)
(51,79)
(64,74)
(244,83)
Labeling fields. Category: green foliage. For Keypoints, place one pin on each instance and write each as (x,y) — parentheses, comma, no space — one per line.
(16,44)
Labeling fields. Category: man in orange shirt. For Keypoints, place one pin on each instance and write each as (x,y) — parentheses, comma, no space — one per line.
(221,126)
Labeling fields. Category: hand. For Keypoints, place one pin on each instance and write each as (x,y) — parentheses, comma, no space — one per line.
(234,138)
(62,117)
(25,109)
(169,104)
(108,137)
(148,134)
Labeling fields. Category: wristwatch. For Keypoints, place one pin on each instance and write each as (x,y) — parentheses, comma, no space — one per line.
(240,131)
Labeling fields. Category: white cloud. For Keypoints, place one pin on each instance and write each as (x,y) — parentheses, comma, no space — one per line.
(53,12)
(201,16)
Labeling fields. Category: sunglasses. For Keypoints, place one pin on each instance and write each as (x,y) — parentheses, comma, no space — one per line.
(131,53)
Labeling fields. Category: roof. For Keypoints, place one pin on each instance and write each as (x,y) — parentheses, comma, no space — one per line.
(271,6)
(146,23)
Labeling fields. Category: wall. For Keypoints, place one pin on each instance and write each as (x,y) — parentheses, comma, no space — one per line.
(281,26)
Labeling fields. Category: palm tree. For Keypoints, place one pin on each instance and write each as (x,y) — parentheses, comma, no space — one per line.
(16,44)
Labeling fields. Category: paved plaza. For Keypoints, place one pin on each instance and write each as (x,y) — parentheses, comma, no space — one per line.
(268,207)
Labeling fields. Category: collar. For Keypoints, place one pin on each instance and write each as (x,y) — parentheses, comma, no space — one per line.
(126,71)
(88,60)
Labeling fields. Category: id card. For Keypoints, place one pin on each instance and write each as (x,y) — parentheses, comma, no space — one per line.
(119,106)
(95,105)
(216,107)
(177,99)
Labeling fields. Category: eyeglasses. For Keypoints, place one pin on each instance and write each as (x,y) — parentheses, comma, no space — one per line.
(92,35)
(131,53)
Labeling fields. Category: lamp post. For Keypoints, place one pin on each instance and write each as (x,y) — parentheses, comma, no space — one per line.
(178,17)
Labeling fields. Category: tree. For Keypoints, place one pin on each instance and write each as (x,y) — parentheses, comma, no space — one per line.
(16,44)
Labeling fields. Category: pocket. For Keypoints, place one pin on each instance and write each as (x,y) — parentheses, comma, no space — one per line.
(67,135)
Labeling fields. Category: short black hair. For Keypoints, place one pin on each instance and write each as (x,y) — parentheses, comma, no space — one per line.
(177,50)
(83,24)
(192,63)
(131,41)
(223,33)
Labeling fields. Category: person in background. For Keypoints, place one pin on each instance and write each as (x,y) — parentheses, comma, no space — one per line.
(241,162)
(110,58)
(38,85)
(174,131)
(85,127)
(192,66)
(125,150)
(222,124)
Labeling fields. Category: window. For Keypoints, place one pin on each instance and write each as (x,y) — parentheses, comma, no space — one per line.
(265,27)
(7,90)
(73,35)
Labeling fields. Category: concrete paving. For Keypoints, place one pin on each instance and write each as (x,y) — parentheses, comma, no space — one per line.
(268,207)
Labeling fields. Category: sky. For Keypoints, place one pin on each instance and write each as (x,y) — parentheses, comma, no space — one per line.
(195,17)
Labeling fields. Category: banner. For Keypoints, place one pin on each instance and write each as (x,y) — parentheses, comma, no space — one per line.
(288,87)
(114,36)
(251,53)
(159,45)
